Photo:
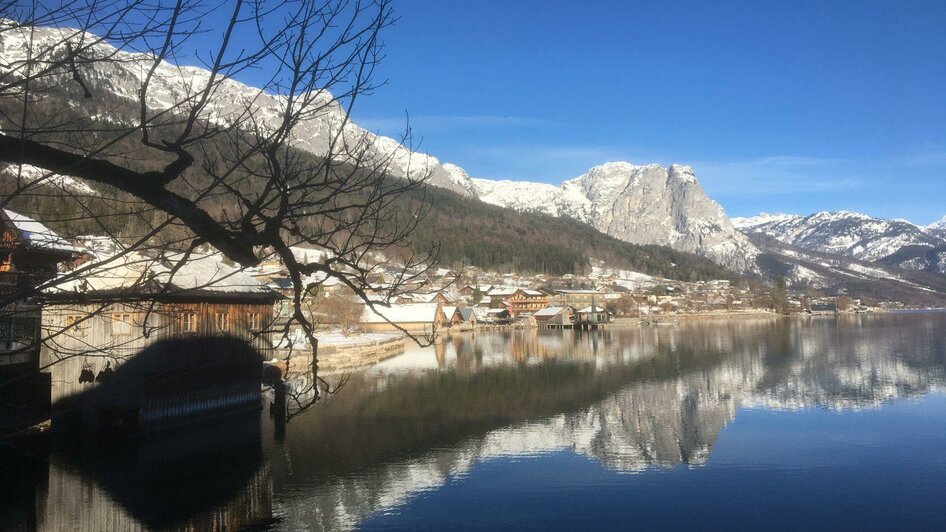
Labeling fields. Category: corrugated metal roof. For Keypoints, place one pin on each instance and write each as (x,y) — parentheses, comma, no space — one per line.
(168,274)
(402,313)
(549,311)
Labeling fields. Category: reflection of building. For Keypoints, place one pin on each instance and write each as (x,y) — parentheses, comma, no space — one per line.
(651,397)
(669,414)
(194,331)
(212,478)
(29,253)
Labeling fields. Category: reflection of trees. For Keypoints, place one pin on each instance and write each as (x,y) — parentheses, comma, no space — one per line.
(653,400)
(628,399)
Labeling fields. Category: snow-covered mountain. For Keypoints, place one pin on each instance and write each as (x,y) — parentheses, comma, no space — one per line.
(648,204)
(119,79)
(937,228)
(639,204)
(937,225)
(845,233)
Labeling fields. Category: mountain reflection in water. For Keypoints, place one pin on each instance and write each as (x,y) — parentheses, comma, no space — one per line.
(646,399)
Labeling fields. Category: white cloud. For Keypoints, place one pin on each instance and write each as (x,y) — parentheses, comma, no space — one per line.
(545,163)
(424,124)
(773,175)
(931,157)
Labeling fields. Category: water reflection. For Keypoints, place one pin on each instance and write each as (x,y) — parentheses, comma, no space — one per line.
(207,477)
(631,400)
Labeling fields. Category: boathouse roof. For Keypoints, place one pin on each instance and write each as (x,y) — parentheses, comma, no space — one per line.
(171,275)
(402,313)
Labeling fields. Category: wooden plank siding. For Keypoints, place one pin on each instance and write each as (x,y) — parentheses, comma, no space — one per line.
(172,335)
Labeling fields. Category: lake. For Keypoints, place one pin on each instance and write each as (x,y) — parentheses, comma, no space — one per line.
(782,423)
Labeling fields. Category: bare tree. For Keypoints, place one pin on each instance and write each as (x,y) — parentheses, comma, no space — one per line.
(98,115)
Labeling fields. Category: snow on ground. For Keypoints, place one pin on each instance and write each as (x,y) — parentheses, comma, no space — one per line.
(337,338)
(802,275)
(31,174)
(868,271)
(762,218)
(627,278)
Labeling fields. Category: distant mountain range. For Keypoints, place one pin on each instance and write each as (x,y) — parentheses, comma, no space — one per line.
(858,236)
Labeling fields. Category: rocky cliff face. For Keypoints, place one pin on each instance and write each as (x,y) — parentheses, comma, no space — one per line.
(648,204)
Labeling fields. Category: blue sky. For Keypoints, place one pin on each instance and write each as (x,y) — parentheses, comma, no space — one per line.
(779,106)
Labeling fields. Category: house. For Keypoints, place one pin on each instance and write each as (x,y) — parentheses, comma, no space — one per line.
(29,255)
(525,302)
(453,318)
(467,316)
(415,318)
(552,316)
(281,284)
(470,290)
(593,314)
(576,298)
(824,308)
(520,301)
(460,317)
(492,315)
(425,297)
(143,342)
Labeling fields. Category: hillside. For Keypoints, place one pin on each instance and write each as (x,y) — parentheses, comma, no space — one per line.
(640,204)
(834,274)
(471,232)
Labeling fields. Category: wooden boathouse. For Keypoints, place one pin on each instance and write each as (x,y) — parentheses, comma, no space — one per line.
(29,255)
(149,342)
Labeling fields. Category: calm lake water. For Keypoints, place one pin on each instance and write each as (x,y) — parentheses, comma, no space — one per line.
(793,424)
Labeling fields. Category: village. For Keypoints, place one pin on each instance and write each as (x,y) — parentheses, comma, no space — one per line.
(470,299)
(132,315)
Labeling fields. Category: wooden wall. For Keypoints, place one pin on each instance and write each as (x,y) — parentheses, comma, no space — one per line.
(93,335)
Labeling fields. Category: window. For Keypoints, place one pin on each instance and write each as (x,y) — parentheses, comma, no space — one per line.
(222,319)
(256,323)
(121,324)
(76,325)
(189,322)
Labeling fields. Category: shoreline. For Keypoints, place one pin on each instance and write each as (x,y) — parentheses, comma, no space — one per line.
(363,350)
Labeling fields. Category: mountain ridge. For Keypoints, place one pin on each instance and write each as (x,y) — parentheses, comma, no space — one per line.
(846,233)
(641,204)
(646,204)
